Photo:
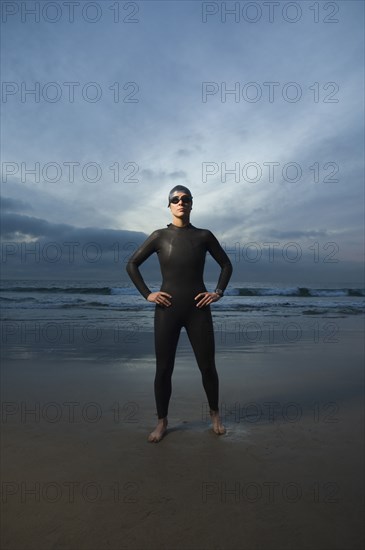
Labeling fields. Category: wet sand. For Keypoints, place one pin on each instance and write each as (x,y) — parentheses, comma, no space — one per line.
(79,474)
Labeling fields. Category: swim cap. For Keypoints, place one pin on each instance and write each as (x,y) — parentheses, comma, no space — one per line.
(180,188)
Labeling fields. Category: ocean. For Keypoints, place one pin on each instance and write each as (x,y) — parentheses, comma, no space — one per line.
(105,303)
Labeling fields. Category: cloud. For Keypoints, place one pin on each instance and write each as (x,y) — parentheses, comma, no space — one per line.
(183,153)
(161,176)
(33,247)
(144,148)
(298,234)
(14,205)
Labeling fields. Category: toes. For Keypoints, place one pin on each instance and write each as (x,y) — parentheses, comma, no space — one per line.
(219,429)
(155,437)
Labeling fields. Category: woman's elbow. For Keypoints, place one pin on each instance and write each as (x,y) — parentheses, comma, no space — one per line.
(129,267)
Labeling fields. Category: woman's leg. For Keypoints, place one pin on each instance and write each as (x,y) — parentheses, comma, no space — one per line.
(199,328)
(201,335)
(167,332)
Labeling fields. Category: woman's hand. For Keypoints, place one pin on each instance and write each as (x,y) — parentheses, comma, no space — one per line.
(206,298)
(160,298)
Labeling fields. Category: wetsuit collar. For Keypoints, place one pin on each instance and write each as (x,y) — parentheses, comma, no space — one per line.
(172,226)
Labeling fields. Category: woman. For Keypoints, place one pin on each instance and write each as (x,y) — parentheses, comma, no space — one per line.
(183,301)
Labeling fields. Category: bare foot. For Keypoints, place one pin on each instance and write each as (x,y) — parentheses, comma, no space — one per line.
(218,427)
(159,431)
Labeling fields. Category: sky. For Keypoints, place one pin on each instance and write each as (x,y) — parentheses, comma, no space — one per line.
(257,107)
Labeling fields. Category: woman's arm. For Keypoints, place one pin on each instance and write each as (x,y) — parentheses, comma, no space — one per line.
(215,249)
(140,255)
(222,259)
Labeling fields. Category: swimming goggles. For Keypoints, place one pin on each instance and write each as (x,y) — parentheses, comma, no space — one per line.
(184,198)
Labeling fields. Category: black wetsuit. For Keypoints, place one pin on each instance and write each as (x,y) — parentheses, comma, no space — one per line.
(181,252)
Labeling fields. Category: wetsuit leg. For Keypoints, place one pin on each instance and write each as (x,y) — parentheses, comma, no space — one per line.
(167,331)
(199,327)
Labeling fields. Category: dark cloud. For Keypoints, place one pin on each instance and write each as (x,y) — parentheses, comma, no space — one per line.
(14,225)
(8,204)
(33,247)
(37,248)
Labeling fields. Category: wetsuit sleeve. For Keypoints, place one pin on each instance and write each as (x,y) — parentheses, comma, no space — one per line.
(215,249)
(140,255)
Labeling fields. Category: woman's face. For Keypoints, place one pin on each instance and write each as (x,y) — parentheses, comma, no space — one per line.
(181,208)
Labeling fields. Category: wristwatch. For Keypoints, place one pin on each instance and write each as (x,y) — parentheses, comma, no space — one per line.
(219,292)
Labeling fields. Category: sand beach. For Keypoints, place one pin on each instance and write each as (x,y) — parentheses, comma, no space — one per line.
(79,474)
